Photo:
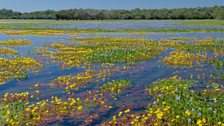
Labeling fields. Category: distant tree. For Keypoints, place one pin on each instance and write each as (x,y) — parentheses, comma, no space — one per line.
(216,12)
(219,12)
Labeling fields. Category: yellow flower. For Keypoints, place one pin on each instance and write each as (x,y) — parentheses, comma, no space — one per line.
(126,111)
(36,85)
(120,113)
(166,108)
(203,120)
(187,112)
(159,115)
(199,122)
(80,108)
(37,91)
(27,109)
(102,102)
(114,117)
(8,112)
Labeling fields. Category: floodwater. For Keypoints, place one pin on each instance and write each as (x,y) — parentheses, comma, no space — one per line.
(141,75)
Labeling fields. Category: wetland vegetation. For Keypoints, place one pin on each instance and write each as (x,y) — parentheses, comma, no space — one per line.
(111,72)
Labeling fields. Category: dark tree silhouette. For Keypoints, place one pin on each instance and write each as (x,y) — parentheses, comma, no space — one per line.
(216,12)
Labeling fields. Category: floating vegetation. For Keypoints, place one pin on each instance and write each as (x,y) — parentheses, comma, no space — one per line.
(94,88)
(184,59)
(17,109)
(115,86)
(42,51)
(127,50)
(75,82)
(218,77)
(104,50)
(38,32)
(8,51)
(16,42)
(16,97)
(17,68)
(218,63)
(56,32)
(177,103)
(40,112)
(208,45)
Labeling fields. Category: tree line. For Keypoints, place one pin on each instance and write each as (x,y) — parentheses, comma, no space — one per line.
(216,12)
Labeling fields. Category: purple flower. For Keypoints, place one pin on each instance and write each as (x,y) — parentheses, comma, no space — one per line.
(178,98)
(189,120)
(154,102)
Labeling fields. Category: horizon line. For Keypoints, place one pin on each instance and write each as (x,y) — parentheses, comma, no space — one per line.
(112,9)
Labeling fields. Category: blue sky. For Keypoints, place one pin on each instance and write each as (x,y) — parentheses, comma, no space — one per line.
(35,5)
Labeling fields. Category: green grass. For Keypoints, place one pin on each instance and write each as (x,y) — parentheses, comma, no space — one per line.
(43,24)
(203,22)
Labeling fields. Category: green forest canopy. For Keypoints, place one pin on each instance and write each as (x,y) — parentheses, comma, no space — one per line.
(216,12)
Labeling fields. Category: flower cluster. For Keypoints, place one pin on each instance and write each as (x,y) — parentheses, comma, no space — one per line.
(16,42)
(8,51)
(17,68)
(176,103)
(185,59)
